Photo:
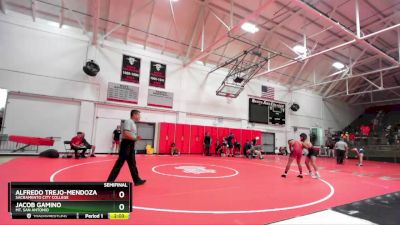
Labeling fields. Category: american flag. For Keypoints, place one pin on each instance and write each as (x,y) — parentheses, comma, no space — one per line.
(267,92)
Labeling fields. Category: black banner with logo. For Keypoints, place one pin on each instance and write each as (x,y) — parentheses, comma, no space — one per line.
(157,74)
(130,69)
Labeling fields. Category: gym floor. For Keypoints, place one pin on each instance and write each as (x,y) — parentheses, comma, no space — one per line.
(194,189)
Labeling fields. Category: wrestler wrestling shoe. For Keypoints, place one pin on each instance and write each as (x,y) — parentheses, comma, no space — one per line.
(140,182)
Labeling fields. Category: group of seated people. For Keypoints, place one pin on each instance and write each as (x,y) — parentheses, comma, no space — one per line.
(251,150)
(230,146)
(227,147)
(79,143)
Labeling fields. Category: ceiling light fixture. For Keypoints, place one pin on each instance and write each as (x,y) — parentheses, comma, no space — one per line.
(299,49)
(249,27)
(200,62)
(53,24)
(338,65)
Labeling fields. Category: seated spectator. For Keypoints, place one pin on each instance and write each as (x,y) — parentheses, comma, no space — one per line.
(388,128)
(283,150)
(229,142)
(246,147)
(391,137)
(219,148)
(174,149)
(77,144)
(352,138)
(346,136)
(254,152)
(237,147)
(225,148)
(330,143)
(88,146)
(254,141)
(375,123)
(365,130)
(207,144)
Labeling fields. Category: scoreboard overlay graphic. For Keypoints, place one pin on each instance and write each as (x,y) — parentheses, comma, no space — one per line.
(69,200)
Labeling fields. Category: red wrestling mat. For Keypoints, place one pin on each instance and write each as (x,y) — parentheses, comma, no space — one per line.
(212,190)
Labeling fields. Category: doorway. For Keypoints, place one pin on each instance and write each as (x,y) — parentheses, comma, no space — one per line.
(147,132)
(316,136)
(104,134)
(268,142)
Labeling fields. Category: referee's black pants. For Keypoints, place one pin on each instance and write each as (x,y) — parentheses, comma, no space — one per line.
(126,153)
(340,156)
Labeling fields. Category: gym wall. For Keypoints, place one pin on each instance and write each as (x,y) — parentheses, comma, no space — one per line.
(47,62)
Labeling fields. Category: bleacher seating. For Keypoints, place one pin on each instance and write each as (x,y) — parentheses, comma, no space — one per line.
(381,144)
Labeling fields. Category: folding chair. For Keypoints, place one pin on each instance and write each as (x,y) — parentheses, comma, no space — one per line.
(68,150)
(324,152)
(236,150)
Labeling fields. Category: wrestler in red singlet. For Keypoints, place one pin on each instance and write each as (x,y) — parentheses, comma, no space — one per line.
(296,148)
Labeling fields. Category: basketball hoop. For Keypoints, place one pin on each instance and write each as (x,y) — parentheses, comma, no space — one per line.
(228,97)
